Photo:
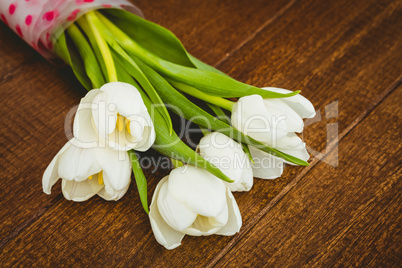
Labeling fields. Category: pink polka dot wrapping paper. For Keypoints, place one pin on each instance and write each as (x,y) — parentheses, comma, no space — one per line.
(41,22)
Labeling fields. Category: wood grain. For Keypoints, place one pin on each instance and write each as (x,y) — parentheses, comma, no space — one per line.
(212,29)
(35,110)
(339,217)
(345,51)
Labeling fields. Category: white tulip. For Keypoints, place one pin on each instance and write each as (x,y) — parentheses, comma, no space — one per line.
(86,172)
(229,157)
(269,120)
(192,201)
(273,122)
(114,116)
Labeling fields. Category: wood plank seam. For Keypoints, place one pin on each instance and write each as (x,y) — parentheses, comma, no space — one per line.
(58,198)
(313,261)
(253,35)
(340,235)
(30,221)
(294,182)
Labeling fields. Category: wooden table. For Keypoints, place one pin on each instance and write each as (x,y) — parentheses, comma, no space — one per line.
(342,210)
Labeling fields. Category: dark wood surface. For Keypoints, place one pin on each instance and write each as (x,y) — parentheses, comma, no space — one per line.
(343,210)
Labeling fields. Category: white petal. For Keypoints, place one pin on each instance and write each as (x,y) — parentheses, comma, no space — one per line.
(78,164)
(117,140)
(221,219)
(116,168)
(234,221)
(250,116)
(141,138)
(266,166)
(79,191)
(298,103)
(197,189)
(208,225)
(111,194)
(178,216)
(229,157)
(137,128)
(290,141)
(142,131)
(282,111)
(51,174)
(104,115)
(84,129)
(299,153)
(247,180)
(147,141)
(126,97)
(164,234)
(293,145)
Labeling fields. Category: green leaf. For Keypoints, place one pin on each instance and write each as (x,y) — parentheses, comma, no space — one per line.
(219,101)
(176,163)
(67,50)
(91,64)
(95,25)
(210,82)
(123,75)
(140,180)
(156,39)
(190,111)
(207,79)
(82,22)
(203,66)
(61,50)
(152,37)
(220,113)
(246,149)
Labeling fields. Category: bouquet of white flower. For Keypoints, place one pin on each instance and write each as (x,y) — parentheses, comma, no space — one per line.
(135,71)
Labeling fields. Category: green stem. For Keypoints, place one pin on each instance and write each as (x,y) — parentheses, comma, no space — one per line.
(60,48)
(219,113)
(127,43)
(176,163)
(204,131)
(246,149)
(218,101)
(94,22)
(83,23)
(87,55)
(140,179)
